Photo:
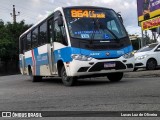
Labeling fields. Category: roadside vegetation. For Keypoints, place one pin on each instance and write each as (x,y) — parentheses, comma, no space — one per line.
(9,42)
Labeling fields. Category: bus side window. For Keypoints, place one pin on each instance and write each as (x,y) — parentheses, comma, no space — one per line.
(42,33)
(35,38)
(59,30)
(28,42)
(64,35)
(59,33)
(22,45)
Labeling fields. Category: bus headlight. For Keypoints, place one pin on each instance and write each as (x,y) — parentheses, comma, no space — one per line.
(81,57)
(128,55)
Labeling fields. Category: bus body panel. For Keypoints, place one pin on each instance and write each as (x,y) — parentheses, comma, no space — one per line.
(102,54)
(37,59)
(98,56)
(75,66)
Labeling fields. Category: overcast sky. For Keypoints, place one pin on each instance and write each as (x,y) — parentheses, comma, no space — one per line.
(33,10)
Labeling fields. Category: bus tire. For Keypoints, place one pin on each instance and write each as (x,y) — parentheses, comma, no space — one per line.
(34,78)
(37,78)
(115,77)
(67,81)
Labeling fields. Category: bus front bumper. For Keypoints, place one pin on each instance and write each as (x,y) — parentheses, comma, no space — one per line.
(99,67)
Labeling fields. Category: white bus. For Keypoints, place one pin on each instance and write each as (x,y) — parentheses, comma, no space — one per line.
(75,42)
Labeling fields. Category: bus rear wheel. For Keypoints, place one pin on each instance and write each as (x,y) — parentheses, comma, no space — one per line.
(67,81)
(37,78)
(115,77)
(34,78)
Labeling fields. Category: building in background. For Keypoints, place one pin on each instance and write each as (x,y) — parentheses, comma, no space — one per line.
(149,18)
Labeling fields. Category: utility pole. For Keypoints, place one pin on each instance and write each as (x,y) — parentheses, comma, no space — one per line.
(14,15)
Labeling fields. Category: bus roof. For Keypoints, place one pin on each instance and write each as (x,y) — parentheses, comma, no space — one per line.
(86,7)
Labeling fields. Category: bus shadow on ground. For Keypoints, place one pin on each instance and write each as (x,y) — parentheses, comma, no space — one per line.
(82,82)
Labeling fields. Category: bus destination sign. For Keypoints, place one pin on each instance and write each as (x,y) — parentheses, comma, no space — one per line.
(87,14)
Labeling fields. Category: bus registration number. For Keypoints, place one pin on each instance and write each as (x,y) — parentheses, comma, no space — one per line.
(109,65)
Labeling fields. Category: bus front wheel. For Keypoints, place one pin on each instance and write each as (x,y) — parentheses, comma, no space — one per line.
(67,81)
(115,77)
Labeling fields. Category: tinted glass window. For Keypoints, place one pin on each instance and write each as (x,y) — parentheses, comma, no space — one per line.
(114,28)
(57,32)
(22,44)
(95,24)
(43,33)
(35,38)
(28,41)
(25,43)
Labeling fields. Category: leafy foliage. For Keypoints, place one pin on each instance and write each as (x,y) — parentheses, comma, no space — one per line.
(9,39)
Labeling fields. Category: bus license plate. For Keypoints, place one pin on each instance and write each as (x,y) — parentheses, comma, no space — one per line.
(109,65)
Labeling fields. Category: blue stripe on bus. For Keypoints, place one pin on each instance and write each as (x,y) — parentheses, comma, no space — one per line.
(28,61)
(64,54)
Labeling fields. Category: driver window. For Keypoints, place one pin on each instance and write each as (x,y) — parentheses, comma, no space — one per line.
(59,31)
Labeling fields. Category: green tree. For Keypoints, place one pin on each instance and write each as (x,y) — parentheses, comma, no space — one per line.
(9,40)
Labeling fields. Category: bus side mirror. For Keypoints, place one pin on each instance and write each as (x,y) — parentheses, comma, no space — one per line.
(120,17)
(60,21)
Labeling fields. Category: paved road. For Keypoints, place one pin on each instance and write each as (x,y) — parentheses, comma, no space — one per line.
(18,93)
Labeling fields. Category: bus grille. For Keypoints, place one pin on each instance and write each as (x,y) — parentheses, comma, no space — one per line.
(100,66)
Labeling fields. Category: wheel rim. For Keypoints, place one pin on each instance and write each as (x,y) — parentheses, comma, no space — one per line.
(151,65)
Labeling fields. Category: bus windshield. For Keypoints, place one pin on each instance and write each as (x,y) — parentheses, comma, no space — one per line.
(94,24)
